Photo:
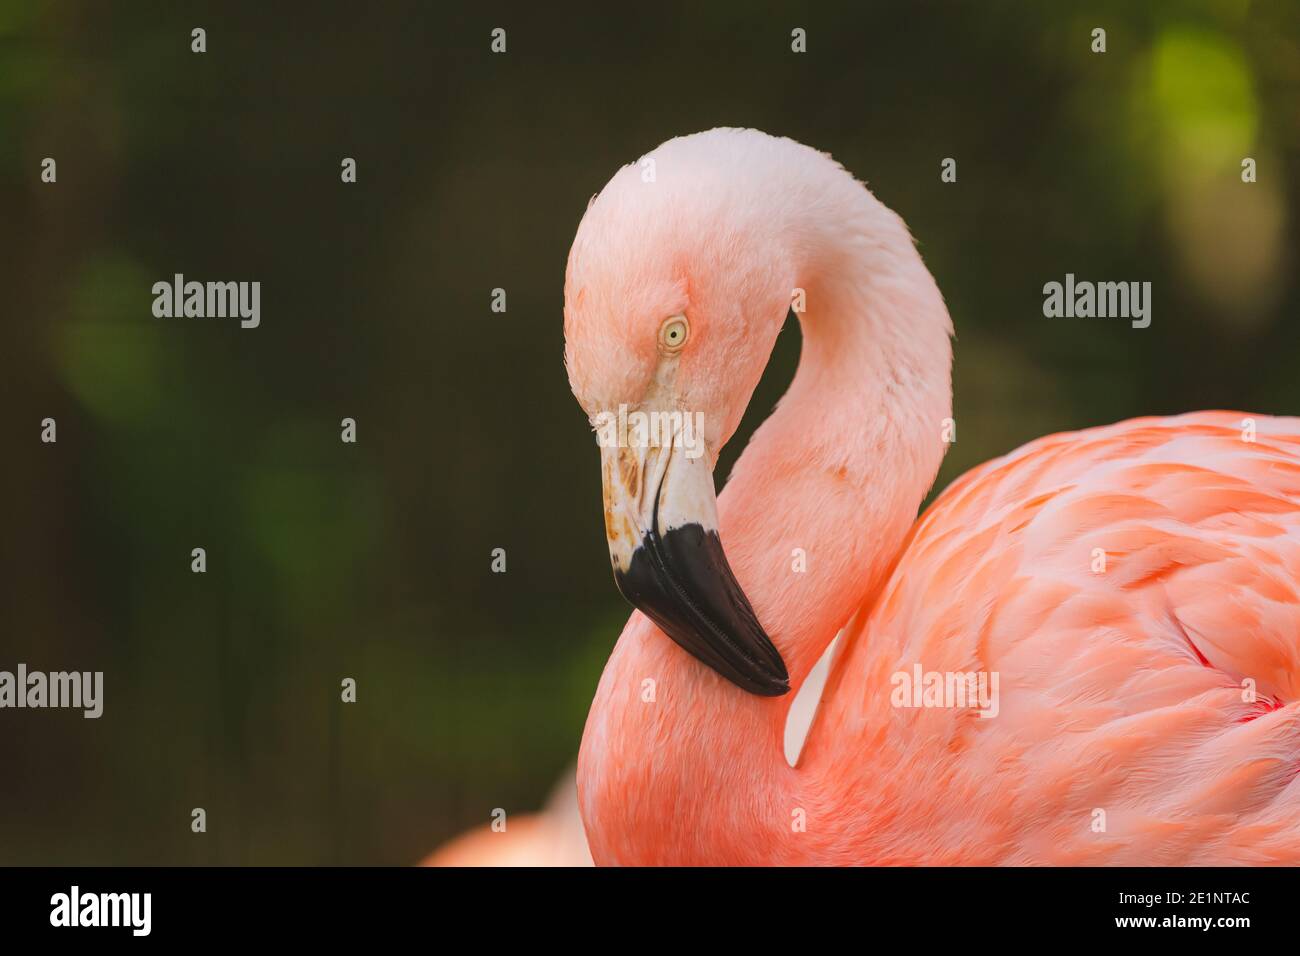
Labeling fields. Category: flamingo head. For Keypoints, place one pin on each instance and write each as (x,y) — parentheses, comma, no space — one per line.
(676,287)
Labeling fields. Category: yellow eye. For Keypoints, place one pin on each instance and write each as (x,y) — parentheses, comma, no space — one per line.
(674,332)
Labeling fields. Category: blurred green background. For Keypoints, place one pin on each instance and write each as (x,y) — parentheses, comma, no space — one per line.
(372,560)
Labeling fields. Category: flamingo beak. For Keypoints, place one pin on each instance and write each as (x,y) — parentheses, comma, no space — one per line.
(661,519)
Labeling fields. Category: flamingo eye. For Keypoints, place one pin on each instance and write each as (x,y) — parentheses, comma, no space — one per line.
(674,333)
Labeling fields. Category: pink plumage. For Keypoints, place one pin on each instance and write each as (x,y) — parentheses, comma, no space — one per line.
(1132,587)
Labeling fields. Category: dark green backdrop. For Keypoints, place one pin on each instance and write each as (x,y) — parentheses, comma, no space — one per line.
(372,560)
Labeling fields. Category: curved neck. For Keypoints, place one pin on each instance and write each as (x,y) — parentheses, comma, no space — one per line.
(812,519)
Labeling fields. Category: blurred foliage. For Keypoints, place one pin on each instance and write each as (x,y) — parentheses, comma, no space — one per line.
(372,560)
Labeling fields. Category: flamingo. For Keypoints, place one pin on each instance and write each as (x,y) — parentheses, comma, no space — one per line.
(554,836)
(551,837)
(1130,588)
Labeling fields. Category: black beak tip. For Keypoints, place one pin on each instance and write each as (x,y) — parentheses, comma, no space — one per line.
(779,687)
(682,582)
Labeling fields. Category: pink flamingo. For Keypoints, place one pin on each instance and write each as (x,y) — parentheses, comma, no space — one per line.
(551,837)
(1131,588)
(554,835)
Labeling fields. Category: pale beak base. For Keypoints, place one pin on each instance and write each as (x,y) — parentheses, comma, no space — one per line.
(661,521)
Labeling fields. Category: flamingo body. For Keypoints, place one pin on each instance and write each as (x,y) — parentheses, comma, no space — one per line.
(551,837)
(1133,588)
(1123,686)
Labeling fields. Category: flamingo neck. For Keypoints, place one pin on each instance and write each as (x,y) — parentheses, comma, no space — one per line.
(680,766)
